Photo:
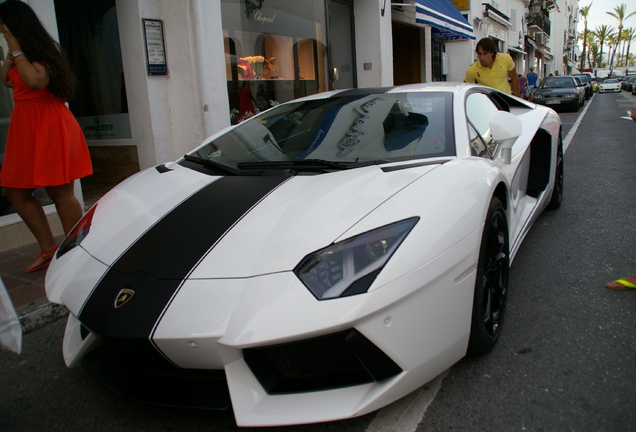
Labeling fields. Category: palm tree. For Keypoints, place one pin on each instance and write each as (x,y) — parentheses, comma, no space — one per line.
(612,42)
(621,15)
(590,42)
(584,11)
(596,55)
(630,35)
(624,40)
(602,33)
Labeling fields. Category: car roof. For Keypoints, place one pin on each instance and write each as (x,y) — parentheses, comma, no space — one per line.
(561,78)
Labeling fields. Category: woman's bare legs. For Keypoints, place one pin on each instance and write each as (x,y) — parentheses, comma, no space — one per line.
(32,213)
(29,209)
(68,207)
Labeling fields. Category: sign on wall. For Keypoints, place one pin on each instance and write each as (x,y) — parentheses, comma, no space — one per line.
(107,126)
(155,47)
(462,4)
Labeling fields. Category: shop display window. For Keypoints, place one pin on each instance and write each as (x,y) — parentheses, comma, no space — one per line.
(89,34)
(274,52)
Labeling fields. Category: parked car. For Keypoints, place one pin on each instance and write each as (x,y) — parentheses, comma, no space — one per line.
(595,84)
(610,85)
(628,82)
(586,78)
(559,91)
(582,87)
(319,260)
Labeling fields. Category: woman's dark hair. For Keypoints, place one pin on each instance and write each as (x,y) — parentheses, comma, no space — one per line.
(39,46)
(488,45)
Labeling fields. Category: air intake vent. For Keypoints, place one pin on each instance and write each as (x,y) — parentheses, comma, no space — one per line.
(332,361)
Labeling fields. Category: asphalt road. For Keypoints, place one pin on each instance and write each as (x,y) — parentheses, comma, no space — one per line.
(566,360)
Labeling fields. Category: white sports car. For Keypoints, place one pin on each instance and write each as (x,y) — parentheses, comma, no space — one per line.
(315,262)
(610,85)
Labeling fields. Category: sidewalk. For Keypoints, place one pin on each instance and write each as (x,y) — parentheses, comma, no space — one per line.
(27,289)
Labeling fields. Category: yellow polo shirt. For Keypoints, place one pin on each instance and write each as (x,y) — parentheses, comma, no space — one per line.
(497,77)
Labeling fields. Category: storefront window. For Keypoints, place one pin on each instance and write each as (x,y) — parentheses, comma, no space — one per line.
(274,52)
(90,36)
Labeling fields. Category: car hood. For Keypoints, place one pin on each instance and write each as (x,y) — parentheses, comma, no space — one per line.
(232,226)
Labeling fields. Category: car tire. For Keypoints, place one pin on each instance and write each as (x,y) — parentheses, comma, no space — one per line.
(557,192)
(491,286)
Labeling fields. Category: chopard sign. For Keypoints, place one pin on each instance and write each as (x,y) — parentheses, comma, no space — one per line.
(350,140)
(259,17)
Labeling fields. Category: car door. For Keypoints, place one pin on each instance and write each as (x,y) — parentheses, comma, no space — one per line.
(580,89)
(480,107)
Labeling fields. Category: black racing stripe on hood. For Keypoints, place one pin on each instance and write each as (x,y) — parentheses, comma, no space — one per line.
(157,263)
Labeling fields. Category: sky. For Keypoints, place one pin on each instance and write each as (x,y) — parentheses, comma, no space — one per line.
(597,15)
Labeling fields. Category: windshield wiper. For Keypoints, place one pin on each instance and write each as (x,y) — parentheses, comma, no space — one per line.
(218,167)
(301,165)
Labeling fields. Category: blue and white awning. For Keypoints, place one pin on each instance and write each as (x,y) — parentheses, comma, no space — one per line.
(445,19)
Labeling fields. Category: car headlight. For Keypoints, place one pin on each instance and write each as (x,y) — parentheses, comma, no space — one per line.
(350,266)
(78,233)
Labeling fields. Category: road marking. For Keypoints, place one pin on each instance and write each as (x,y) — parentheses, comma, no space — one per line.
(568,138)
(405,414)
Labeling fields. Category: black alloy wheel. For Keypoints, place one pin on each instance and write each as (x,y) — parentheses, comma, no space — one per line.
(557,191)
(491,286)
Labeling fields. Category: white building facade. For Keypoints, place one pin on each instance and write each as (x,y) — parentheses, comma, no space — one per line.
(156,77)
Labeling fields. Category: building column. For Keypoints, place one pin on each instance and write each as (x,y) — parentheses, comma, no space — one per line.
(374,46)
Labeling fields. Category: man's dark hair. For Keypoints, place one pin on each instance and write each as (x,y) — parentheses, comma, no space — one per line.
(488,45)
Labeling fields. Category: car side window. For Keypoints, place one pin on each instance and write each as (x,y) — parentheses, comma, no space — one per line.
(477,146)
(479,110)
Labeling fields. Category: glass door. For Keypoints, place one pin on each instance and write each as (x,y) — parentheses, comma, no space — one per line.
(6,105)
(342,67)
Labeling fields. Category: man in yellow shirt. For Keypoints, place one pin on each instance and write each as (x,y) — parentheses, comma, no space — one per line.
(492,68)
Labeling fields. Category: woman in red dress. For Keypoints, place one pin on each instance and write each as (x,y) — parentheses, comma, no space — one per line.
(45,145)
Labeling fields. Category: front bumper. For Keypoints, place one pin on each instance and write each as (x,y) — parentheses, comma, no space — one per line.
(260,344)
(557,102)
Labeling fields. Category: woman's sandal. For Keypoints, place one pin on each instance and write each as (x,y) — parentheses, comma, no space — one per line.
(620,284)
(45,257)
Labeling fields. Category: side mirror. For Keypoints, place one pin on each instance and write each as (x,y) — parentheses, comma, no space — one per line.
(505,129)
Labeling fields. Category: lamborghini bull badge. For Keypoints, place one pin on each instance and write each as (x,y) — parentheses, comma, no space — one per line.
(123,297)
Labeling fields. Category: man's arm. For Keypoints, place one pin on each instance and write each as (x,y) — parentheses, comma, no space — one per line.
(470,76)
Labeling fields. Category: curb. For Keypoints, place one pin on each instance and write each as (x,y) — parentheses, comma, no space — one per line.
(40,317)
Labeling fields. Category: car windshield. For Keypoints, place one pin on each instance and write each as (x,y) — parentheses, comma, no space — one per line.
(343,131)
(610,81)
(558,82)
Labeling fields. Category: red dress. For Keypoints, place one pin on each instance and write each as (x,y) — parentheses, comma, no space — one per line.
(45,144)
